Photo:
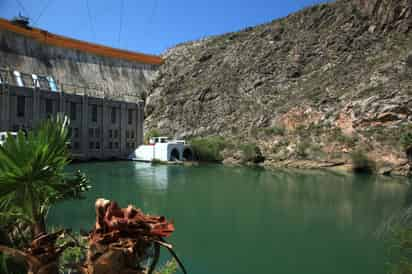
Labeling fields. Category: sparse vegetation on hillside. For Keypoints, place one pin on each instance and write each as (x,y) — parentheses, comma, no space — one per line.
(150,134)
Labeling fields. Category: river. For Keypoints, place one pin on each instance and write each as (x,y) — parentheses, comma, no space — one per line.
(237,220)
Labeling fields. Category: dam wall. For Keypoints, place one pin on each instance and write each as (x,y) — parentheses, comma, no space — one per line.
(99,88)
(75,62)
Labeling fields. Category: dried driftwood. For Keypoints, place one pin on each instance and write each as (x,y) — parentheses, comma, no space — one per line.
(124,238)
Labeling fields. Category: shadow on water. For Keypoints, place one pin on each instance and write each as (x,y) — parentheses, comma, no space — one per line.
(245,220)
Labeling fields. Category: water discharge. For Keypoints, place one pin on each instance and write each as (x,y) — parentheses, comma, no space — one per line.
(246,220)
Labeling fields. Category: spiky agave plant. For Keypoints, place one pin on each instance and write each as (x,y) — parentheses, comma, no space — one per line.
(32,175)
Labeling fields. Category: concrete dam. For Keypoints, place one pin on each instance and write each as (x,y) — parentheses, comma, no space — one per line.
(99,88)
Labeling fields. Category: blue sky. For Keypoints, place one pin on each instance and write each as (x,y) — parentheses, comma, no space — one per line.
(149,26)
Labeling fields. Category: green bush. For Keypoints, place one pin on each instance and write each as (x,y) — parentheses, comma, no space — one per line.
(169,268)
(406,139)
(301,149)
(150,134)
(276,130)
(209,149)
(361,162)
(251,153)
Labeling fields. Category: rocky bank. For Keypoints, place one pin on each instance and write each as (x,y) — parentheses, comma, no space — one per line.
(308,89)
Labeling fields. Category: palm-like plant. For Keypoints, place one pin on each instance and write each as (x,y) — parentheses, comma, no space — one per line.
(32,175)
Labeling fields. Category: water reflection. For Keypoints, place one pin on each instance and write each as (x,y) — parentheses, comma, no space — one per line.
(242,220)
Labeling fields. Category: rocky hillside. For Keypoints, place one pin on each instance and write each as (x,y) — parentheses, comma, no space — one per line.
(309,88)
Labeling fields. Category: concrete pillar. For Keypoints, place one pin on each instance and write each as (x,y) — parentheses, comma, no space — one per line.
(61,106)
(140,123)
(105,127)
(5,108)
(123,127)
(84,135)
(136,124)
(36,107)
(101,128)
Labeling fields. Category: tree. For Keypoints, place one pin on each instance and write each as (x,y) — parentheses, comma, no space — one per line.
(32,178)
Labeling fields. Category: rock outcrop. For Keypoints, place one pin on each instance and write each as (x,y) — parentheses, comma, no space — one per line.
(334,77)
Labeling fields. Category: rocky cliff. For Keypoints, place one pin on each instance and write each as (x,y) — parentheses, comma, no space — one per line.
(312,87)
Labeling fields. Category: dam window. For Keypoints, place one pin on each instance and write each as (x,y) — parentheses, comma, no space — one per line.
(127,134)
(91,145)
(110,133)
(110,145)
(49,107)
(94,113)
(130,116)
(113,115)
(73,111)
(52,83)
(35,79)
(18,79)
(21,106)
(76,145)
(132,135)
(91,132)
(97,132)
(116,133)
(97,145)
(116,145)
(76,133)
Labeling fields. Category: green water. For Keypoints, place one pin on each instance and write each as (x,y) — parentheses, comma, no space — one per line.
(243,220)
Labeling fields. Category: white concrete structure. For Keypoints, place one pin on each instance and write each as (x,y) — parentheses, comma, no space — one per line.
(4,135)
(163,149)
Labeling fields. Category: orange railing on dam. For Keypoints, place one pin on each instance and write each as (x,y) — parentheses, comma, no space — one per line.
(45,37)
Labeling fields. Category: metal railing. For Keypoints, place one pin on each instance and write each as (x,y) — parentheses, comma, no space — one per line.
(22,79)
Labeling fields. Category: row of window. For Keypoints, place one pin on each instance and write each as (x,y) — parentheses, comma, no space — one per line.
(130,134)
(96,145)
(32,81)
(113,115)
(21,106)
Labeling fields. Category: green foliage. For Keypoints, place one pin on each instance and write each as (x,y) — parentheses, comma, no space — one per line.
(275,130)
(72,255)
(32,176)
(301,149)
(406,139)
(150,134)
(209,149)
(251,153)
(169,268)
(361,163)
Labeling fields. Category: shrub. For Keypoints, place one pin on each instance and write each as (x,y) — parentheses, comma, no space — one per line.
(406,139)
(251,153)
(169,268)
(361,162)
(150,134)
(301,149)
(276,130)
(209,149)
